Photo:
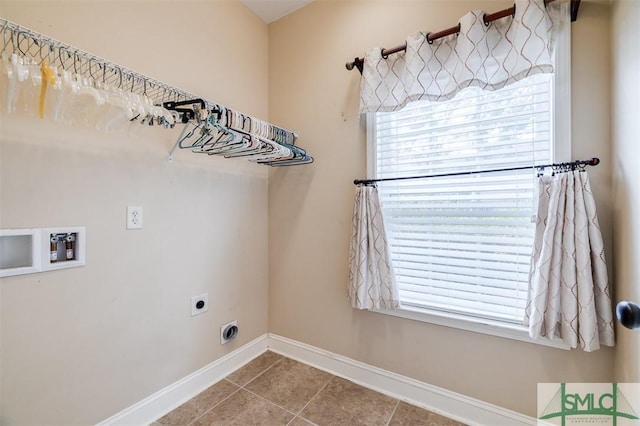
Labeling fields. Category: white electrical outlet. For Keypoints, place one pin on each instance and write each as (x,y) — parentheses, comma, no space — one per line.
(134,217)
(199,304)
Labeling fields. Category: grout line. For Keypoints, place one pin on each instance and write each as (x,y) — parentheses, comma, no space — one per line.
(279,406)
(393,412)
(261,373)
(313,397)
(270,402)
(304,419)
(264,371)
(235,391)
(235,384)
(223,400)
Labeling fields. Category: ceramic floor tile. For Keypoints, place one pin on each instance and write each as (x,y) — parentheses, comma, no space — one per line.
(245,409)
(289,384)
(299,421)
(343,402)
(195,407)
(410,415)
(254,368)
(292,385)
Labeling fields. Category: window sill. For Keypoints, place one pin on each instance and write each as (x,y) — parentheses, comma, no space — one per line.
(476,325)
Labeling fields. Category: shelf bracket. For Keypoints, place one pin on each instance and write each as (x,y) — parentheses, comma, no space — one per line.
(180,139)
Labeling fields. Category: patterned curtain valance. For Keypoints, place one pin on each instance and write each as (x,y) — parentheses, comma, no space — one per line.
(489,57)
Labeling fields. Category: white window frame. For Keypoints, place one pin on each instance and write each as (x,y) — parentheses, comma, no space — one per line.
(562,153)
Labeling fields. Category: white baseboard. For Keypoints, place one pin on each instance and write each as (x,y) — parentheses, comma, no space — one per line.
(174,395)
(450,404)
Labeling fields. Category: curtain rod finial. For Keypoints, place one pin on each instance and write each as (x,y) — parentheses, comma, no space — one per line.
(356,63)
(594,161)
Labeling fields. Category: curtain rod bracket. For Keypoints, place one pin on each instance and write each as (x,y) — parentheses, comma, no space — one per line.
(357,63)
(575,5)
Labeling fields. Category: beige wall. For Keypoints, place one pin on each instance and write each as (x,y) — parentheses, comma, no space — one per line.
(80,345)
(310,207)
(626,175)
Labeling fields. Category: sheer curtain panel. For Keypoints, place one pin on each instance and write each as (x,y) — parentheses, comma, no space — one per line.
(569,292)
(488,56)
(372,284)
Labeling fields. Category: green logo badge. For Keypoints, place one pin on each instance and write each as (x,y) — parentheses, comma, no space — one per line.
(588,403)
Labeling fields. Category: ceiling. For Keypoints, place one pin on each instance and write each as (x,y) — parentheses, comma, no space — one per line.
(272,10)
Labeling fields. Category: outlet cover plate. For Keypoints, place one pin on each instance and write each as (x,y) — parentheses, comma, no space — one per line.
(194,302)
(134,217)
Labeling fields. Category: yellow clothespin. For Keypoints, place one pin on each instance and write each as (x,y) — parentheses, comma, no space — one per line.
(48,77)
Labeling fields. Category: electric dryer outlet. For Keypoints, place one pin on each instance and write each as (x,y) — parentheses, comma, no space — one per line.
(199,304)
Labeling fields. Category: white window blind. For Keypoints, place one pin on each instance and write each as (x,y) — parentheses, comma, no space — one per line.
(463,244)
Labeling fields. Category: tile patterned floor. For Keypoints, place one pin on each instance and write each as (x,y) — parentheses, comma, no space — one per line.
(274,390)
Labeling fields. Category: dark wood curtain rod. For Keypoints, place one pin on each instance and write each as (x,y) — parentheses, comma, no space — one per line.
(359,62)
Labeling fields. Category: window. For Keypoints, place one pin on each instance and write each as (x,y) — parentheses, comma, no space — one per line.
(462,245)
